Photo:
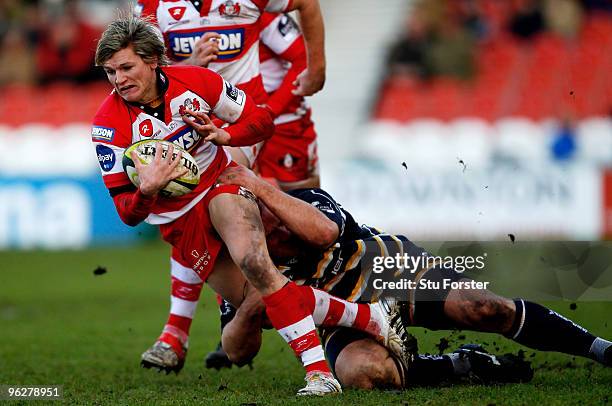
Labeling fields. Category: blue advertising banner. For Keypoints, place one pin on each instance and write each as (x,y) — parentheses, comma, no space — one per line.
(60,212)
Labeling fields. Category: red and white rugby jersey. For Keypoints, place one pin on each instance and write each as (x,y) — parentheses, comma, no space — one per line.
(118,124)
(282,56)
(183,22)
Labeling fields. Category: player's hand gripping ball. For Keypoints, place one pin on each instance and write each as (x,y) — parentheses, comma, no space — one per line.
(145,150)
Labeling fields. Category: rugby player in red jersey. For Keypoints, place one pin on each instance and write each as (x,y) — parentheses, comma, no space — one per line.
(154,101)
(332,262)
(289,157)
(224,36)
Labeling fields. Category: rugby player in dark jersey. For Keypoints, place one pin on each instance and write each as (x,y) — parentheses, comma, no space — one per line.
(295,245)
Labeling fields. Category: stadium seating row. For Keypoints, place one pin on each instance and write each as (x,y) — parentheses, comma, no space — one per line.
(550,77)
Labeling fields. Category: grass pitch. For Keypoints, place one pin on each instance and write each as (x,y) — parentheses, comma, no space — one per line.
(62,324)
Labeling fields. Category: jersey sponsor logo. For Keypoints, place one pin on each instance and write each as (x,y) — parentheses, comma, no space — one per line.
(146,128)
(177,12)
(191,104)
(231,43)
(234,94)
(102,133)
(229,9)
(287,25)
(106,157)
(187,138)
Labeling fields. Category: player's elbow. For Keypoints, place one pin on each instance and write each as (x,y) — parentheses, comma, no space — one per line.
(327,235)
(130,220)
(242,356)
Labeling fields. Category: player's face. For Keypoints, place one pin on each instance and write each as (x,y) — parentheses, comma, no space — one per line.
(134,79)
(276,232)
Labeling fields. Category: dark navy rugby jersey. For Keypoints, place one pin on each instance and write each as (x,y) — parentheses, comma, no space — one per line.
(338,269)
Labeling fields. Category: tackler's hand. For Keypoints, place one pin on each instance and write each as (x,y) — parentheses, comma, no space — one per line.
(239,175)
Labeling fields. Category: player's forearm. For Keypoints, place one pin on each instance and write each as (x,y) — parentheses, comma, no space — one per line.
(311,22)
(283,97)
(257,126)
(302,219)
(133,207)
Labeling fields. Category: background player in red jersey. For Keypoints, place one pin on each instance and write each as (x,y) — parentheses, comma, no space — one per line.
(296,240)
(290,156)
(189,25)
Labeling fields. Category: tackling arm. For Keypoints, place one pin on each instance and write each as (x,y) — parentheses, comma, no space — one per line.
(302,219)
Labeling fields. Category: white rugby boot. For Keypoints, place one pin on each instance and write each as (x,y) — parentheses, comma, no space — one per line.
(163,357)
(394,335)
(320,384)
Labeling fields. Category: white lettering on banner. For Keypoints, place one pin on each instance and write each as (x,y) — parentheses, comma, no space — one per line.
(530,201)
(57,215)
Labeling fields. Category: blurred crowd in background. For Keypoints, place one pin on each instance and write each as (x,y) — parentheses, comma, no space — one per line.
(440,37)
(43,41)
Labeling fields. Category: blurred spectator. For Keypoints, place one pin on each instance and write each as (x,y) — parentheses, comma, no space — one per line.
(563,17)
(407,55)
(16,59)
(451,50)
(605,5)
(470,14)
(564,142)
(437,40)
(66,47)
(528,19)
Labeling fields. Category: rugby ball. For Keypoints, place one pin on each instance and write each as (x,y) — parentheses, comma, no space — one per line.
(146,149)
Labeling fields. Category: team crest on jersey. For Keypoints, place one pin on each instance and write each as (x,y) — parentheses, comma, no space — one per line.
(191,104)
(231,42)
(177,12)
(229,9)
(145,128)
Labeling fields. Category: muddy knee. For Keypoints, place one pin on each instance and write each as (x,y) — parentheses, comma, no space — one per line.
(366,365)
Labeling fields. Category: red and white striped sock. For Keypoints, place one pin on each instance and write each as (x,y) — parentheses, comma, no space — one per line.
(288,315)
(185,293)
(330,311)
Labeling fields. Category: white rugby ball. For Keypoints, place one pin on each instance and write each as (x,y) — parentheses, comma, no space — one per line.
(146,149)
